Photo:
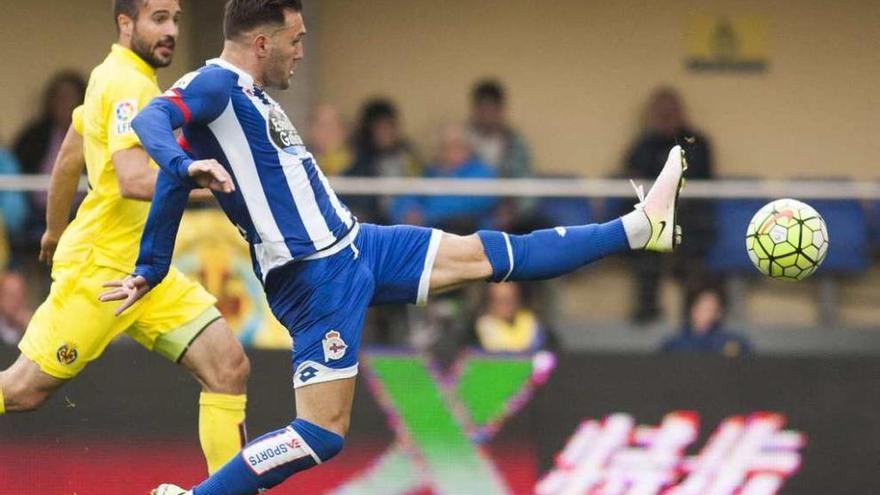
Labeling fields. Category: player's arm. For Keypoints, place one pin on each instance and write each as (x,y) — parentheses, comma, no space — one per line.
(137,179)
(203,101)
(157,243)
(65,178)
(131,161)
(199,98)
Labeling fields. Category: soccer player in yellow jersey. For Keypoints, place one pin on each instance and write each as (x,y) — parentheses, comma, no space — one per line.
(178,319)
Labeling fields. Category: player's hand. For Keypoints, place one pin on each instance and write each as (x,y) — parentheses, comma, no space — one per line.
(201,195)
(48,243)
(212,175)
(129,291)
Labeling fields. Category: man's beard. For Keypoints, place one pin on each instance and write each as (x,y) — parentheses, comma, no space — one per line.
(281,78)
(145,51)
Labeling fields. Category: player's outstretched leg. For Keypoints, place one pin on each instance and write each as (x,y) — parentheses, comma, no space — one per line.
(498,256)
(550,253)
(316,436)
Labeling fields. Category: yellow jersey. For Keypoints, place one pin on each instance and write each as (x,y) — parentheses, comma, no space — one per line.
(107,228)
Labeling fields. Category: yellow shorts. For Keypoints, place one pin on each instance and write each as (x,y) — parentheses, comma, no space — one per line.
(72,327)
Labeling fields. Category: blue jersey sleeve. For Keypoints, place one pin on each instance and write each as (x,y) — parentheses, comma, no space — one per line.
(199,98)
(157,242)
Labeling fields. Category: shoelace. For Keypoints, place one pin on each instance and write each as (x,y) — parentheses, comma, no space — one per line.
(640,192)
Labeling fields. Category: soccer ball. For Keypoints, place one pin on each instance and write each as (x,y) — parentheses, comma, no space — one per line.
(787,240)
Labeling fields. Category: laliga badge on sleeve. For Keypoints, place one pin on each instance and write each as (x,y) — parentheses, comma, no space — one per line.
(124,112)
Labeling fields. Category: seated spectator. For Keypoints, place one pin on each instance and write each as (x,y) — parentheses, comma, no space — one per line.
(455,214)
(506,325)
(380,151)
(666,125)
(14,312)
(501,147)
(327,140)
(39,143)
(703,330)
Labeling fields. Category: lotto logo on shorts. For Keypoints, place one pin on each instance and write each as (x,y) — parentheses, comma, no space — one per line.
(267,454)
(307,374)
(334,346)
(66,354)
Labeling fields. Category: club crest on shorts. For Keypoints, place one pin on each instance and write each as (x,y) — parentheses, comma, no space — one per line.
(66,354)
(334,346)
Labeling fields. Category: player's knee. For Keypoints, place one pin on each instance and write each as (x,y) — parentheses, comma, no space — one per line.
(22,397)
(459,259)
(233,373)
(32,401)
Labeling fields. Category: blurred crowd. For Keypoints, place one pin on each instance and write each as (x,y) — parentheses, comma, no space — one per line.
(23,218)
(497,318)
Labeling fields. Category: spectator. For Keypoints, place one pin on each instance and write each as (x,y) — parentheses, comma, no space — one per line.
(503,148)
(327,140)
(495,141)
(4,247)
(37,146)
(506,325)
(666,125)
(455,214)
(13,204)
(440,328)
(703,330)
(14,313)
(380,151)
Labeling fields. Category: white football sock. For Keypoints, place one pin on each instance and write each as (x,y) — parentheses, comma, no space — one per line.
(638,229)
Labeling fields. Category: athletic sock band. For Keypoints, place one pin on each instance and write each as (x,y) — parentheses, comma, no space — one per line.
(545,254)
(272,458)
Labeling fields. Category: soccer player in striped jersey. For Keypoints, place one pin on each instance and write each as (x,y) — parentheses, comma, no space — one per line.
(179,320)
(320,268)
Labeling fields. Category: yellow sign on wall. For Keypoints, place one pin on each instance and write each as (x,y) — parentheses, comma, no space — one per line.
(727,43)
(210,249)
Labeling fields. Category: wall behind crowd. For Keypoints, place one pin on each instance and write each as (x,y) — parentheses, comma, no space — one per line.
(578,73)
(41,38)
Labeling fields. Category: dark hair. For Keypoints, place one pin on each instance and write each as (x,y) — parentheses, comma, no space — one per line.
(129,8)
(695,289)
(33,142)
(488,90)
(373,111)
(66,77)
(244,15)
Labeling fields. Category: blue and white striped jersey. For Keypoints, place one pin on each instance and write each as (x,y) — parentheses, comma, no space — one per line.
(282,203)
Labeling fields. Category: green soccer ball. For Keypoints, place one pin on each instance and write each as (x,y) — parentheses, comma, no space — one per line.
(787,240)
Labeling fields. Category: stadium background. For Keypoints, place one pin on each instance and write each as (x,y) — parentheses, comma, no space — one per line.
(578,75)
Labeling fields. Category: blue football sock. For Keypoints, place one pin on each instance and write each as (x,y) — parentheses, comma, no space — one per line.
(272,458)
(550,253)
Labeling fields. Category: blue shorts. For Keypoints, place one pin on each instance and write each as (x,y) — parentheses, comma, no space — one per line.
(322,302)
